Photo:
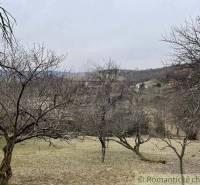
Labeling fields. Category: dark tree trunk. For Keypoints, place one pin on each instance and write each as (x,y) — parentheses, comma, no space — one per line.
(5,167)
(181,171)
(137,148)
(138,140)
(103,148)
(137,145)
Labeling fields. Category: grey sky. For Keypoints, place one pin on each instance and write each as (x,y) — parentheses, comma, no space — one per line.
(92,31)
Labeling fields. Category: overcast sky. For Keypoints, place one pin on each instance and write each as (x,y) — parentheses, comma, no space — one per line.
(92,31)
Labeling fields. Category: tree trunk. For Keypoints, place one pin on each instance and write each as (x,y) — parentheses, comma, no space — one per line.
(5,167)
(181,171)
(143,158)
(137,148)
(137,142)
(103,148)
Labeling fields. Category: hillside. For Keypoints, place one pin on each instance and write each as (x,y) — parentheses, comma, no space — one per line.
(161,74)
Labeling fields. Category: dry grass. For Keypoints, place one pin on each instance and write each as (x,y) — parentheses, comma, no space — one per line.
(78,163)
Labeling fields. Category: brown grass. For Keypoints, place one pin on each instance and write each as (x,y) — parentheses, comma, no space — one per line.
(78,163)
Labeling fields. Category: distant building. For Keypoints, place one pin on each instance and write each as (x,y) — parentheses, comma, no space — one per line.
(148,84)
(140,86)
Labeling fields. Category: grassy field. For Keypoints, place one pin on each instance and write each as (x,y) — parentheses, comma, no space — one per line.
(78,163)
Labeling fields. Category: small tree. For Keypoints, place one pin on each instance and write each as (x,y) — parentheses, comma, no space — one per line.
(184,110)
(185,42)
(130,125)
(105,92)
(33,100)
(132,121)
(179,152)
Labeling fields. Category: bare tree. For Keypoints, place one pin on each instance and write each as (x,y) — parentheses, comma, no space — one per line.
(33,101)
(185,43)
(105,99)
(132,126)
(133,122)
(105,92)
(179,151)
(184,110)
(7,22)
(184,113)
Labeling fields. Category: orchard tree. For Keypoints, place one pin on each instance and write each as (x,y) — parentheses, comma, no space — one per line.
(131,124)
(185,43)
(33,101)
(185,114)
(105,91)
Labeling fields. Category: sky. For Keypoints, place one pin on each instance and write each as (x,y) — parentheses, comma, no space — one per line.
(91,32)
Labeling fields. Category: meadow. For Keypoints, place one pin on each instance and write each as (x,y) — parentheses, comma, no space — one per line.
(78,162)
